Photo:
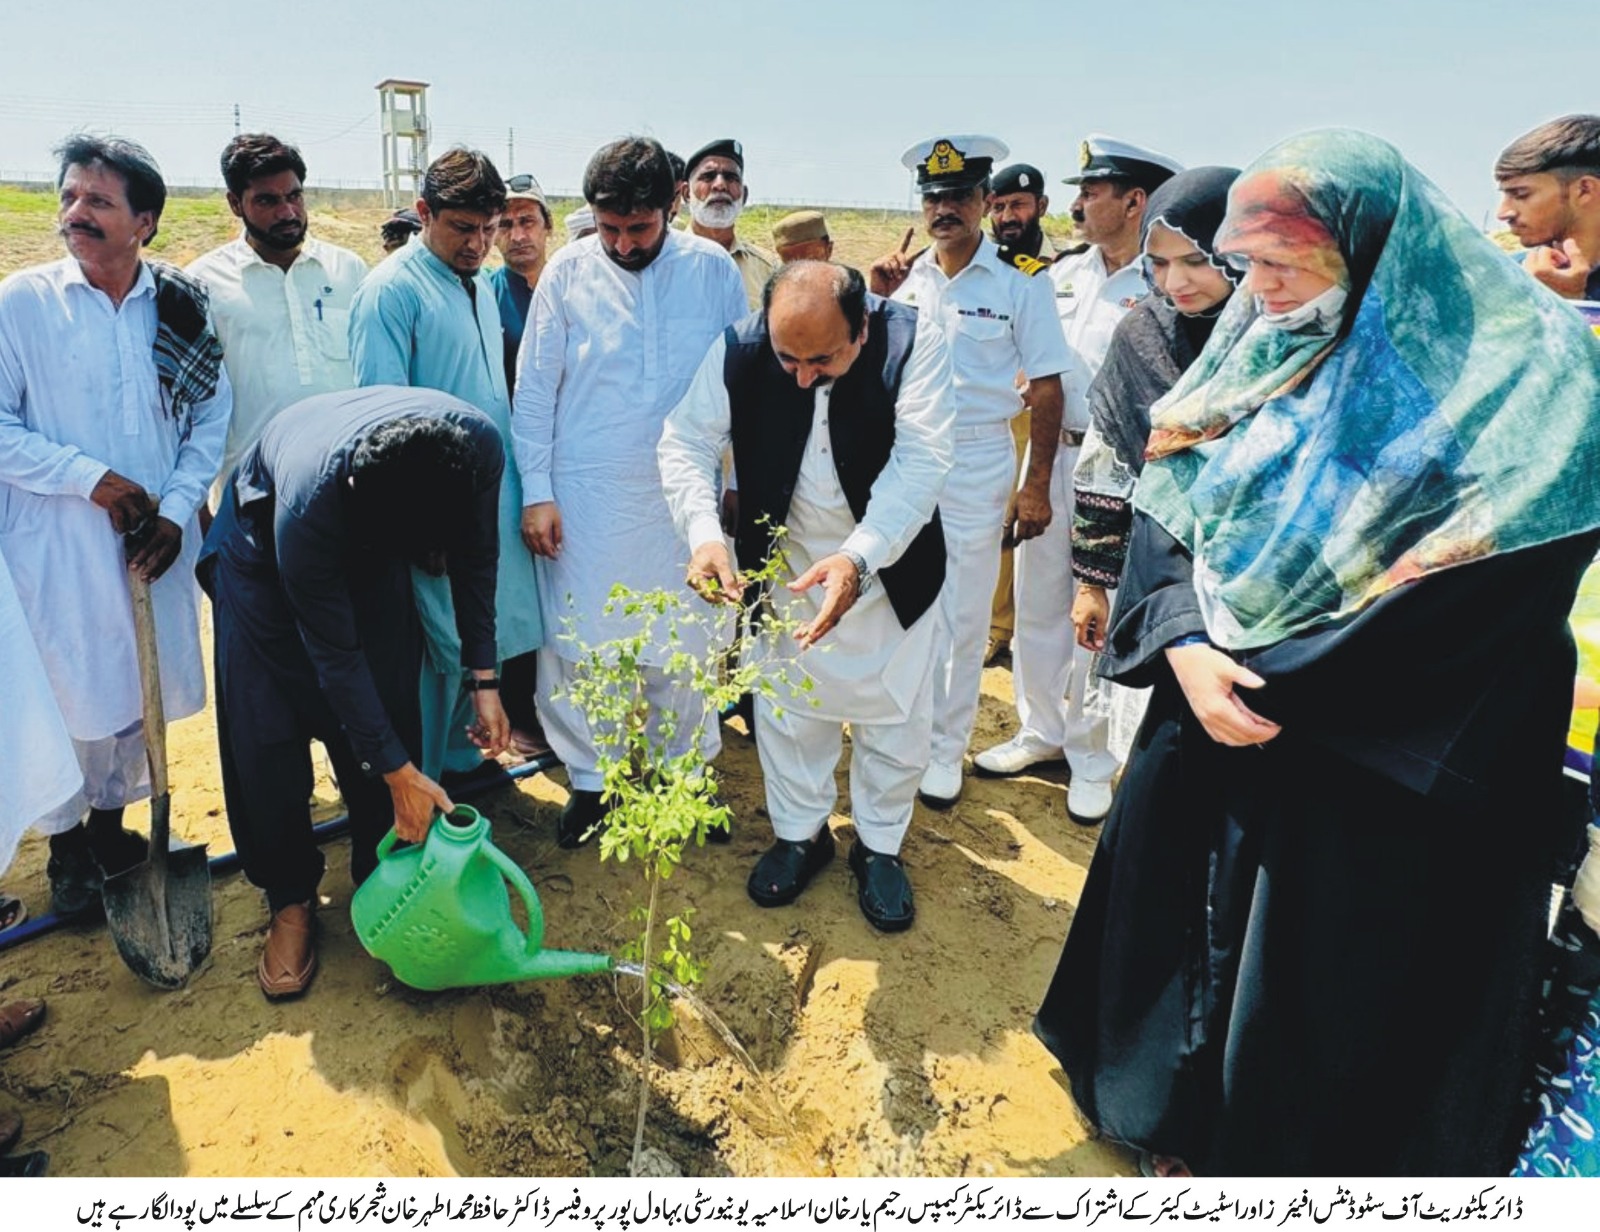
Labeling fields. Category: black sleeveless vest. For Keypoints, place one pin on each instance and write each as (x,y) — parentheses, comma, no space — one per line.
(771,422)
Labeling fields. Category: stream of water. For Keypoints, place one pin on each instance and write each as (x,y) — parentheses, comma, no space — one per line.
(710,1017)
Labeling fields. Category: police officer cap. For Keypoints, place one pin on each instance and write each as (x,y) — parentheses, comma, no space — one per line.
(1018,177)
(953,162)
(1103,158)
(725,147)
(801,227)
(403,221)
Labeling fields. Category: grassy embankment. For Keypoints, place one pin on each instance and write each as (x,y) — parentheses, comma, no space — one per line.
(192,225)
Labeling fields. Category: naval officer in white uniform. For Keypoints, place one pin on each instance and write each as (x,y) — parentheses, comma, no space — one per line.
(997,322)
(1061,709)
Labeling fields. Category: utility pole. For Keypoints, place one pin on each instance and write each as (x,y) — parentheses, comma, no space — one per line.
(236,129)
(511,150)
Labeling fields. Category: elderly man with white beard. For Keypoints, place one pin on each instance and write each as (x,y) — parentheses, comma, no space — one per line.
(717,196)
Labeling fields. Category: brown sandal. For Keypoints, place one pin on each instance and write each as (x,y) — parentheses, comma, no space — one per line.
(289,957)
(19,1018)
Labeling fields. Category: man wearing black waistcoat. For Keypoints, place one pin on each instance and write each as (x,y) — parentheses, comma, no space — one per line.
(837,406)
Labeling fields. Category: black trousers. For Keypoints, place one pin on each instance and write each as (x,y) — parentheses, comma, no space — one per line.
(270,707)
(519,679)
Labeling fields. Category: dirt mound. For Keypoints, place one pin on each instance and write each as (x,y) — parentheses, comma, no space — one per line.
(908,1054)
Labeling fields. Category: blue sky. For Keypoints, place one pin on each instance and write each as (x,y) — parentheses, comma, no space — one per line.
(825,94)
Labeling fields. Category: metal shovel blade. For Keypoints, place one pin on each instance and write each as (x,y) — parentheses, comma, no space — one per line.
(159,912)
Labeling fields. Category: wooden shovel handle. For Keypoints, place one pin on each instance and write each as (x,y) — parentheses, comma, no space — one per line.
(155,722)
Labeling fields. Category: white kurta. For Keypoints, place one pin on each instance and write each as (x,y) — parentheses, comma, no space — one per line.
(874,668)
(606,355)
(285,333)
(43,775)
(868,671)
(78,396)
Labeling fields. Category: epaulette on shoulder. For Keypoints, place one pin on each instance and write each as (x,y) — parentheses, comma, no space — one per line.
(1028,265)
(1076,250)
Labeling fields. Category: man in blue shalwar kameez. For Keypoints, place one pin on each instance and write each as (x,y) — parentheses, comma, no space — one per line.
(427,317)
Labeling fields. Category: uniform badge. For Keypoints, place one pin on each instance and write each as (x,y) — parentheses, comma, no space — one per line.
(945,160)
(1085,156)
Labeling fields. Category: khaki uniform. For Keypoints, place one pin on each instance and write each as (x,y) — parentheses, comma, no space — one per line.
(756,265)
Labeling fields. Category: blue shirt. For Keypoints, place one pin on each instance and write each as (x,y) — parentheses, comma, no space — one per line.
(415,321)
(514,296)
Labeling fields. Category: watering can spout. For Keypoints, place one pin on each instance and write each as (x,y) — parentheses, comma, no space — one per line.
(440,915)
(558,964)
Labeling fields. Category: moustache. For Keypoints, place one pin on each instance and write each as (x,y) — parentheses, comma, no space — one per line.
(1077,216)
(947,220)
(82,228)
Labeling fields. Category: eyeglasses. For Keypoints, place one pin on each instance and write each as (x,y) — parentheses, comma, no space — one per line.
(1243,264)
(522,184)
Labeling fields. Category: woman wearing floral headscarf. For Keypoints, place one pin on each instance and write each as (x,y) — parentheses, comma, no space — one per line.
(1310,939)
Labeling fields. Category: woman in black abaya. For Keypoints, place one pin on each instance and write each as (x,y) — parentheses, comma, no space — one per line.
(1310,938)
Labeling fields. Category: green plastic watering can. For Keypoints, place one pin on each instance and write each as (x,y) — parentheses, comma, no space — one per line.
(438,912)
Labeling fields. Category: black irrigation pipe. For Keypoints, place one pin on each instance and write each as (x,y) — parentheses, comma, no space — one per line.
(336,828)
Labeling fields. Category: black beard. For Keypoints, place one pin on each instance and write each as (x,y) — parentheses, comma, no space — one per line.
(1030,241)
(276,240)
(637,260)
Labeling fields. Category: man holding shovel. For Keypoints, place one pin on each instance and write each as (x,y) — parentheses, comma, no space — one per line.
(113,413)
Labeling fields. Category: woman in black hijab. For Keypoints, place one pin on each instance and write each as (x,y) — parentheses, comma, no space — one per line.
(1153,345)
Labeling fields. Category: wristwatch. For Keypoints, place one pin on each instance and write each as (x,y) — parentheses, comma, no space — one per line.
(863,574)
(473,684)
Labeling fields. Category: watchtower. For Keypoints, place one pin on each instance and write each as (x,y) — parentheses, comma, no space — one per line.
(403,120)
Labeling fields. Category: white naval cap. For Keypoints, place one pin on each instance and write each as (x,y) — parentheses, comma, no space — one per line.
(959,161)
(1101,157)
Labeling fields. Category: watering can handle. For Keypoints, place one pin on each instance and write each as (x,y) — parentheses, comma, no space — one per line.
(387,842)
(512,872)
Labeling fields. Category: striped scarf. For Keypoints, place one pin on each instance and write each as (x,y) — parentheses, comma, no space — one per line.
(187,350)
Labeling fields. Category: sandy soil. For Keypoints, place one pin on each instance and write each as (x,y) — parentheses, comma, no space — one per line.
(906,1055)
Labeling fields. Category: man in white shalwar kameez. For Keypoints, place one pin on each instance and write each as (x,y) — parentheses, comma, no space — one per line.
(31,731)
(619,323)
(113,414)
(838,408)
